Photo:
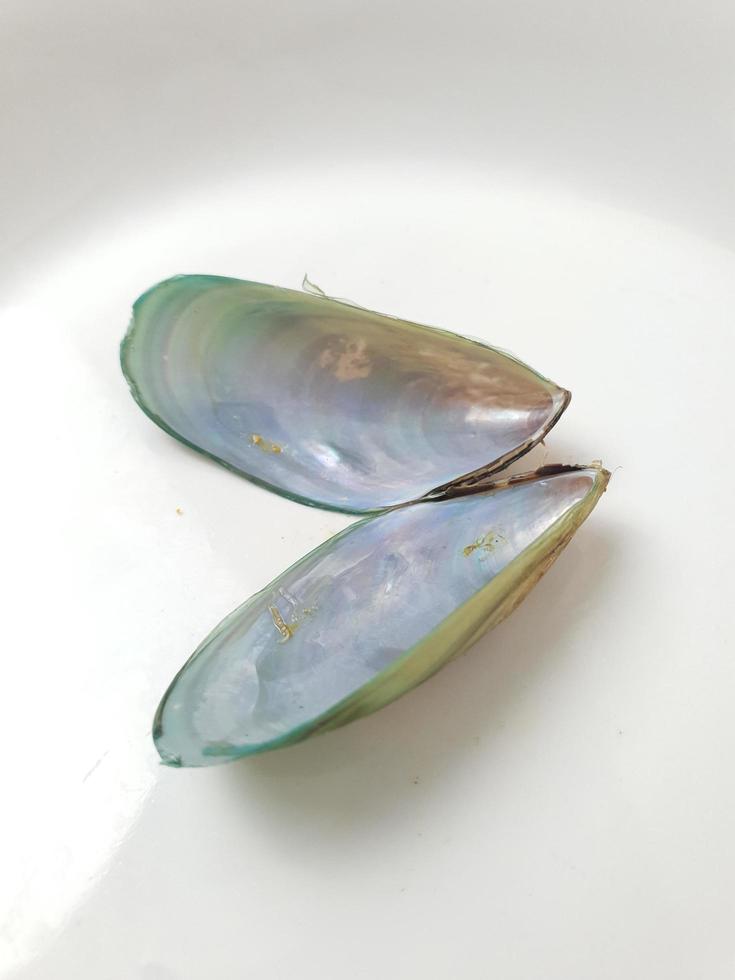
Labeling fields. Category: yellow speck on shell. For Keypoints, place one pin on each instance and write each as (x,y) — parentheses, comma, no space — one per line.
(265,444)
(486,542)
(281,625)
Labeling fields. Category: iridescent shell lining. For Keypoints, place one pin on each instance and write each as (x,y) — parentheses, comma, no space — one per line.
(327,403)
(342,408)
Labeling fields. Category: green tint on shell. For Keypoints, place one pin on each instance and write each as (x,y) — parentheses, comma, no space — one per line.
(339,407)
(369,615)
(325,402)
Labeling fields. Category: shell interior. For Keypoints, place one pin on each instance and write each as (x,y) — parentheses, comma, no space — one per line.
(368,615)
(328,403)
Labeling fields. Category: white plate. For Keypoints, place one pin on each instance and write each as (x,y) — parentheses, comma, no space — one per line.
(555,179)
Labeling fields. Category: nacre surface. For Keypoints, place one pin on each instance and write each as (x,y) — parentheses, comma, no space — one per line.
(368,615)
(325,402)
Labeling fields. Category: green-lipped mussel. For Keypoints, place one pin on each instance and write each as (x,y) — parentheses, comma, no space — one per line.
(343,408)
(328,403)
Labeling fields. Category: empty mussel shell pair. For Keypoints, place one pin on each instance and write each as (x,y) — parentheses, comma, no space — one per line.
(339,407)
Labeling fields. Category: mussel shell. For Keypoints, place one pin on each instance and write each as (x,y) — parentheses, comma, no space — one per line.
(324,402)
(368,615)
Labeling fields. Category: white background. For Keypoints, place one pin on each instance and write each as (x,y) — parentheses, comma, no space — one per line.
(555,178)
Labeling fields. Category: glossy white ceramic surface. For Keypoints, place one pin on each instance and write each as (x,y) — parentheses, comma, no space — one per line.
(555,179)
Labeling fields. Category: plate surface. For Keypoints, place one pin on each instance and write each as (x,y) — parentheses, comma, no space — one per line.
(553,179)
